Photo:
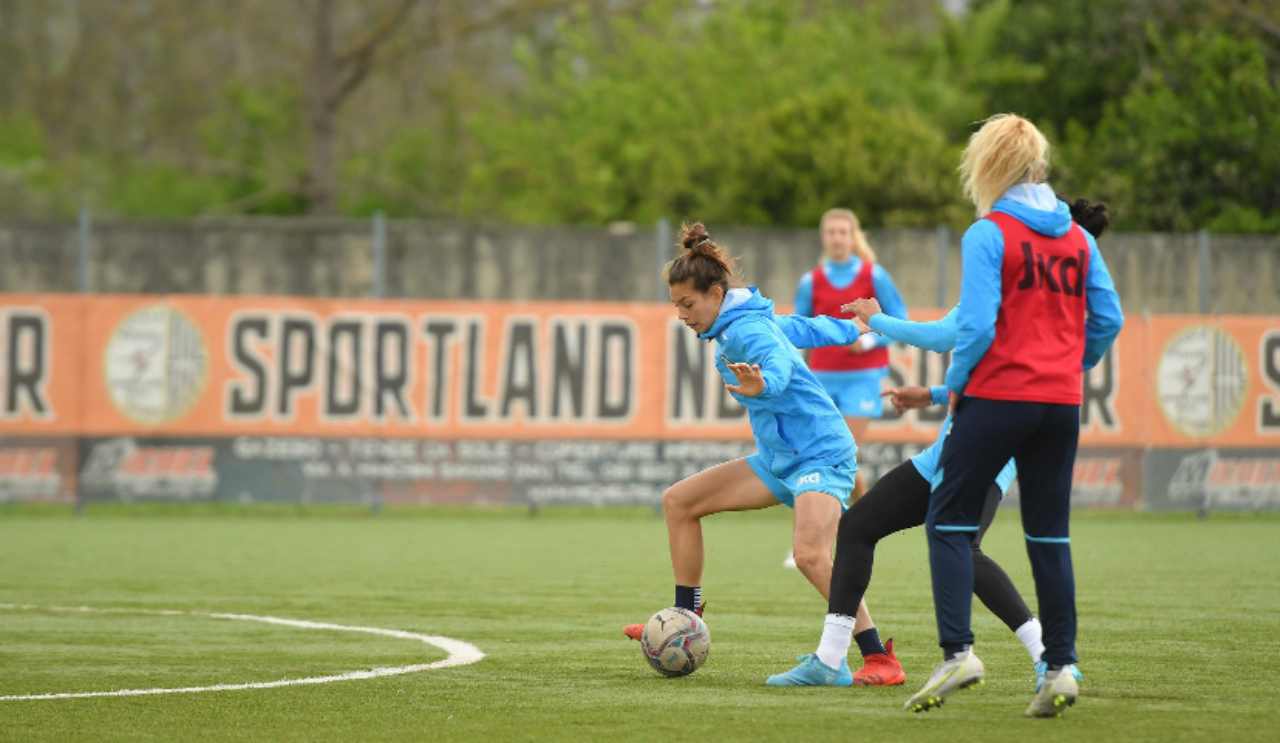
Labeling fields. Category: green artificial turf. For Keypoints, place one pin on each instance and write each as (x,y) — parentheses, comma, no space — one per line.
(1179,629)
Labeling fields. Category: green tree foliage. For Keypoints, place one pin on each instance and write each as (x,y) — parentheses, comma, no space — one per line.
(27,183)
(814,149)
(972,54)
(246,159)
(1082,53)
(1192,145)
(418,171)
(761,112)
(251,144)
(589,111)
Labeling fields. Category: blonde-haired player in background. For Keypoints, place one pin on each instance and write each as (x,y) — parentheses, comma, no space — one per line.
(849,271)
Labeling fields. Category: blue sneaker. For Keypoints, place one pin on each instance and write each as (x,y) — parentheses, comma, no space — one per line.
(813,672)
(1042,668)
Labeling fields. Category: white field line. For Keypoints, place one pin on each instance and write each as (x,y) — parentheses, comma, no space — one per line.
(460,653)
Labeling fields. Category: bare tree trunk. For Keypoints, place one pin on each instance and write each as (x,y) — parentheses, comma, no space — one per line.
(321,188)
(9,50)
(337,73)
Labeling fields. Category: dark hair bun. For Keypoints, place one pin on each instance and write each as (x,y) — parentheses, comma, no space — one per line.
(705,263)
(694,236)
(1092,216)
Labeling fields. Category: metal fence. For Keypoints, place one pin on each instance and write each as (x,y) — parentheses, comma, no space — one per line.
(1198,272)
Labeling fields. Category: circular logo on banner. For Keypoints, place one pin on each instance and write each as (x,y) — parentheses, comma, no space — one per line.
(1201,380)
(156,365)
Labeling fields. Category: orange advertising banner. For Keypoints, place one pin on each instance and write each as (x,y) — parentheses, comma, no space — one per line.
(112,365)
(41,364)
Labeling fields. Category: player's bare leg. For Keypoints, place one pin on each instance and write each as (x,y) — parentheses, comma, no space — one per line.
(731,486)
(858,427)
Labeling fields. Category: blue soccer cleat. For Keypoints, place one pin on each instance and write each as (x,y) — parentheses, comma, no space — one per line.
(1042,668)
(813,672)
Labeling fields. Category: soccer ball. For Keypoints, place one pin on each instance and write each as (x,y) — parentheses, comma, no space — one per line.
(675,642)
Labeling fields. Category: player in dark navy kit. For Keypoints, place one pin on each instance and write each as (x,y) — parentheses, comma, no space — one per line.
(1037,307)
(900,500)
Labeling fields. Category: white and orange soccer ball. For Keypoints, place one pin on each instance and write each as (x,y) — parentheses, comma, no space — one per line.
(676,642)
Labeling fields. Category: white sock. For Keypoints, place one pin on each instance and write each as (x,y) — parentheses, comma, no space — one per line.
(1029,635)
(837,635)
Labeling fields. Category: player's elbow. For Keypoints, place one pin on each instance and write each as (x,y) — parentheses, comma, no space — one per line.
(940,344)
(1108,324)
(1117,320)
(981,341)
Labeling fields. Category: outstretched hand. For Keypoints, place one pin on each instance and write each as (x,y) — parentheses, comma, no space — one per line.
(863,310)
(908,398)
(750,380)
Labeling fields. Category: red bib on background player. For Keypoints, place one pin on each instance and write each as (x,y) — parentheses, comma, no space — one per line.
(827,300)
(1039,345)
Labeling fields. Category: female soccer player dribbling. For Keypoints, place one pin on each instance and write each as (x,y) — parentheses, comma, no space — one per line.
(805,458)
(1037,306)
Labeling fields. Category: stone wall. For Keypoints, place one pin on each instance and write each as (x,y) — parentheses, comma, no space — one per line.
(1154,272)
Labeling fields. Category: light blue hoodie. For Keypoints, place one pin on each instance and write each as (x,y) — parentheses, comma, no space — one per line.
(794,422)
(982,258)
(938,336)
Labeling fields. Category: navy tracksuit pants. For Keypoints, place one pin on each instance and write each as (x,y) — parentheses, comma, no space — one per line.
(1041,438)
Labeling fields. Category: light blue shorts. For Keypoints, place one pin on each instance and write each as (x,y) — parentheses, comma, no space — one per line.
(855,393)
(834,480)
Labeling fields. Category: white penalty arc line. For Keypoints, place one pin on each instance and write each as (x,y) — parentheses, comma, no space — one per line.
(459,653)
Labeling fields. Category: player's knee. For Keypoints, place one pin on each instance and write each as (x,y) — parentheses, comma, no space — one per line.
(674,503)
(854,529)
(810,556)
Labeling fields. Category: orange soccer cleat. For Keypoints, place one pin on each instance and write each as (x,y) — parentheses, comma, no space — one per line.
(878,669)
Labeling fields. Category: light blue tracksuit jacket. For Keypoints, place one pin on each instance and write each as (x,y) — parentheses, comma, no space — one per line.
(793,420)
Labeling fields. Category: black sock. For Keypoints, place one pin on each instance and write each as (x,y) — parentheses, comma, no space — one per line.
(869,642)
(689,597)
(950,651)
